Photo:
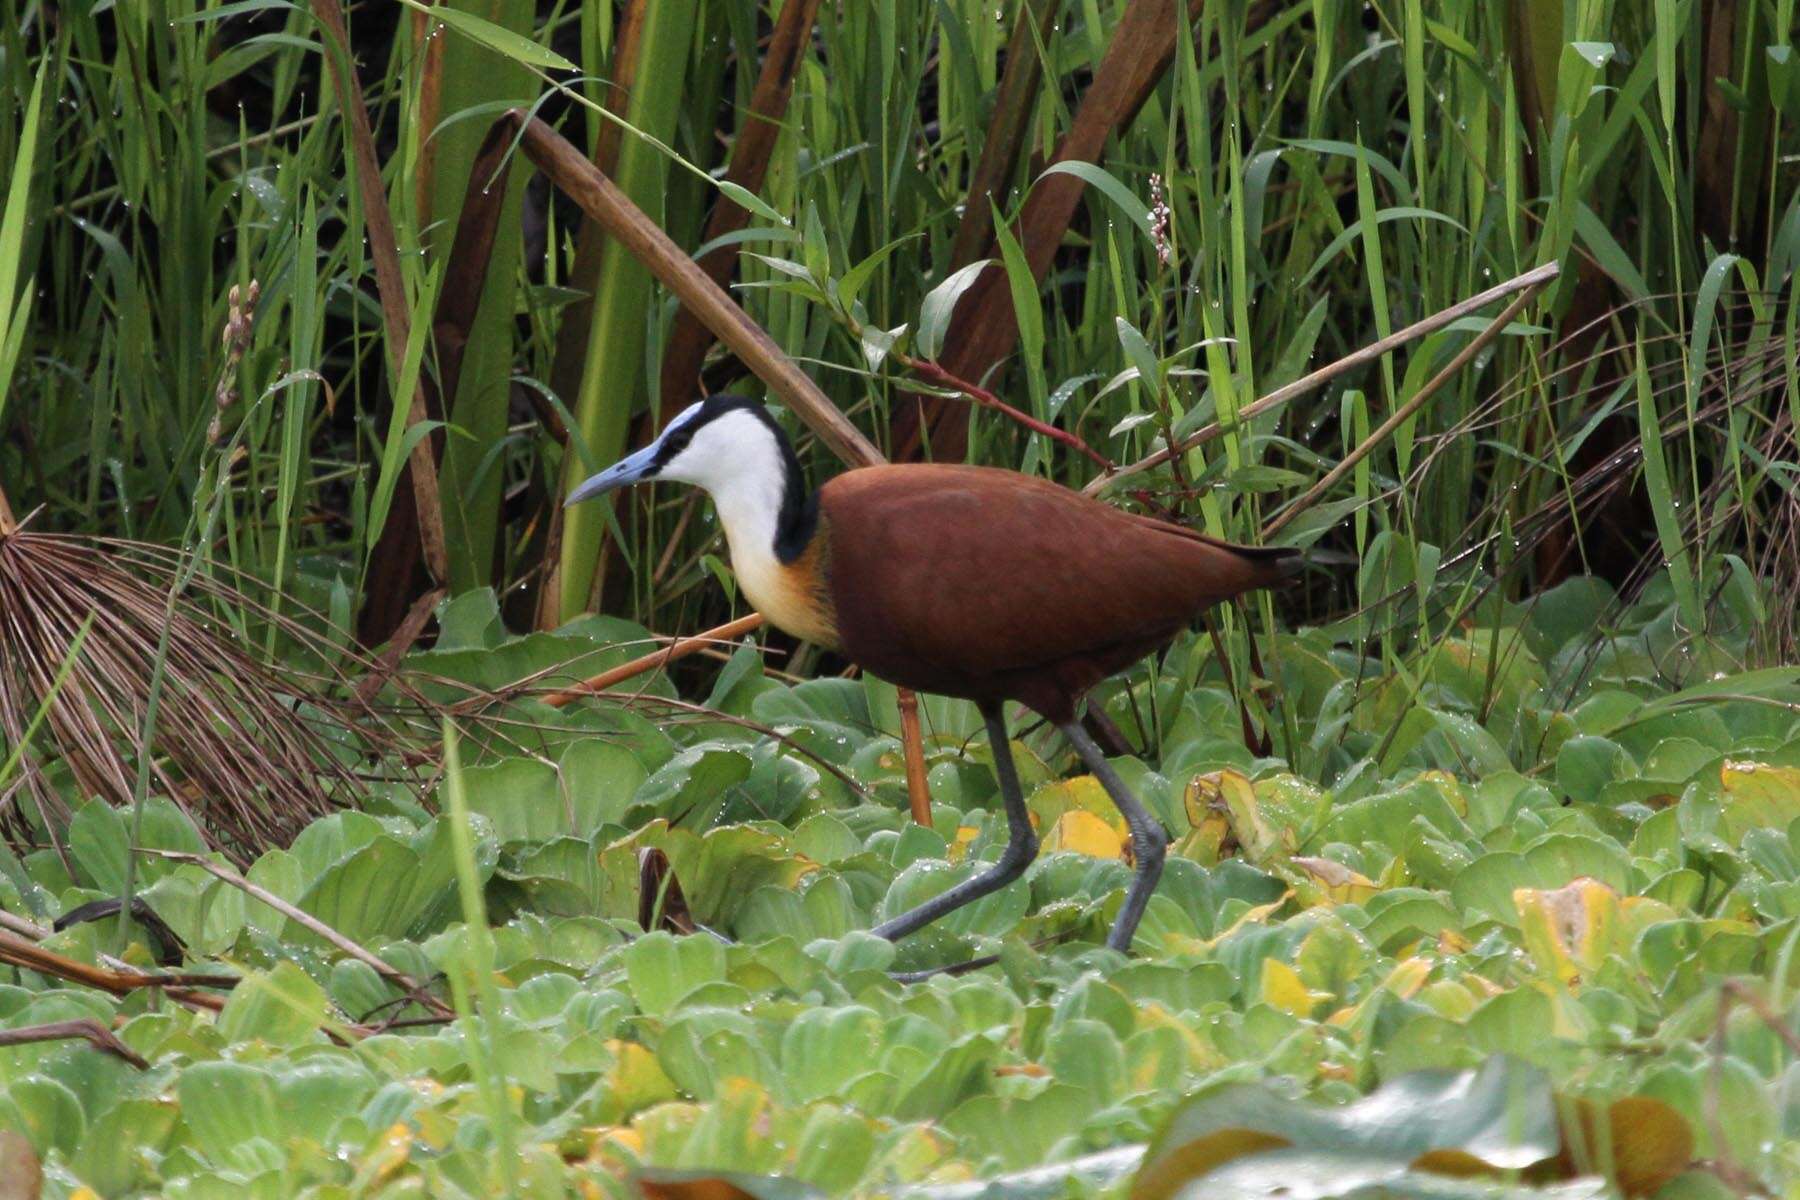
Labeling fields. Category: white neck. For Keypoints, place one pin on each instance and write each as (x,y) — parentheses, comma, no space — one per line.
(750,510)
(738,461)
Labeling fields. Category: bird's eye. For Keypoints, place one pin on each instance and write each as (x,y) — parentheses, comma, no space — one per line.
(675,443)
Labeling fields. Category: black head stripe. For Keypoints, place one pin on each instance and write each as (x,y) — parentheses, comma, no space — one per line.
(799,507)
(674,443)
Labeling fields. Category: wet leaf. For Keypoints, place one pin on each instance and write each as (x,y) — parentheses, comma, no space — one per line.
(1757,796)
(1084,833)
(1501,1116)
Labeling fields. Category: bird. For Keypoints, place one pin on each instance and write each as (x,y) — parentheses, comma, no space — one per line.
(968,581)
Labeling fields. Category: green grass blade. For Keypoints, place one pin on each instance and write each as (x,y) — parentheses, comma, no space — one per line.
(15,314)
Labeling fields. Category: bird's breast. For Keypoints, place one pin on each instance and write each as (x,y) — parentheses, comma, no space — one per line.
(794,596)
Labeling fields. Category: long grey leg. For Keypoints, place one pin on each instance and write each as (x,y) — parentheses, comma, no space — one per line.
(1021,845)
(1149,841)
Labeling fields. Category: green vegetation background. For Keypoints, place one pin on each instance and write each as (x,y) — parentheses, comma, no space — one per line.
(1531,785)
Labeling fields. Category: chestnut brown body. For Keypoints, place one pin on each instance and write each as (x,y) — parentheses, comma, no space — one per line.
(991,585)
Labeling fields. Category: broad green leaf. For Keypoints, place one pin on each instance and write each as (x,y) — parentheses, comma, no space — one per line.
(1500,1118)
(663,968)
(281,1006)
(940,305)
(232,1110)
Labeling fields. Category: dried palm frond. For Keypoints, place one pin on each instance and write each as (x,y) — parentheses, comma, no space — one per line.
(250,750)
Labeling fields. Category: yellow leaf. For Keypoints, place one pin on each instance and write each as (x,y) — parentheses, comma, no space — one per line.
(1449,788)
(1230,793)
(1283,987)
(1646,1143)
(1029,1070)
(436,1127)
(607,1140)
(1336,881)
(1450,942)
(959,844)
(1481,986)
(1205,840)
(1083,792)
(916,1149)
(1254,915)
(1407,977)
(1404,981)
(1450,1161)
(1569,930)
(637,1079)
(1757,796)
(1170,1175)
(1202,1054)
(1085,833)
(1569,1019)
(389,1156)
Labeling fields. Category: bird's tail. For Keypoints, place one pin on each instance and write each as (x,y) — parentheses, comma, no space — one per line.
(1274,563)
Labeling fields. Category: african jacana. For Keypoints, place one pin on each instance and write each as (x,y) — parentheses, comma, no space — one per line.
(967,581)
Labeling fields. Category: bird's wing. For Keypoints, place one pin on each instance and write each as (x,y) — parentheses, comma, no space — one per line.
(985,571)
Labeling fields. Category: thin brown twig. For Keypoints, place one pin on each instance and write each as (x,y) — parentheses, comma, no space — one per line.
(936,374)
(1401,415)
(1537,277)
(86,1028)
(679,648)
(389,660)
(382,967)
(1735,991)
(185,996)
(22,952)
(22,927)
(775,735)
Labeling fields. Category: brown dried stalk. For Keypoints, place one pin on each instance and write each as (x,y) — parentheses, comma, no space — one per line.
(912,742)
(87,1028)
(370,685)
(19,951)
(426,511)
(414,989)
(931,372)
(1404,413)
